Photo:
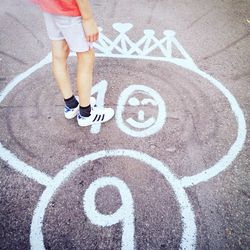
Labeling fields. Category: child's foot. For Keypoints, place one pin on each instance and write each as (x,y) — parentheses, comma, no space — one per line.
(71,113)
(98,115)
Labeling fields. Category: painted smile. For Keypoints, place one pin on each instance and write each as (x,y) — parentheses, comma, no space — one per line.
(148,123)
(141,124)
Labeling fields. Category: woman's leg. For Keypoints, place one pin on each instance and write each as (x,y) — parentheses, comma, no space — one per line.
(60,53)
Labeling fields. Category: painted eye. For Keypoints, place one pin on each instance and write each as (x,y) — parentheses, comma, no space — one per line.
(148,101)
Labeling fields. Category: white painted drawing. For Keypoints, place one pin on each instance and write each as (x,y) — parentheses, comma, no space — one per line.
(147,126)
(125,214)
(123,47)
(188,240)
(99,88)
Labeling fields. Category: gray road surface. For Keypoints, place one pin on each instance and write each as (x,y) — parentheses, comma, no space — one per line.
(200,127)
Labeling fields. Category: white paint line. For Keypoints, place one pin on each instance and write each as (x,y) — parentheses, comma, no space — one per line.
(159,44)
(101,89)
(183,52)
(141,54)
(185,63)
(236,147)
(141,125)
(122,28)
(5,154)
(147,101)
(133,101)
(128,47)
(135,48)
(158,123)
(125,214)
(9,87)
(24,168)
(188,240)
(141,115)
(147,40)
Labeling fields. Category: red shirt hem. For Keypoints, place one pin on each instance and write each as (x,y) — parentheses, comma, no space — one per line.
(59,7)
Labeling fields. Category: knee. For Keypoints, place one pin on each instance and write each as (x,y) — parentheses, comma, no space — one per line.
(87,58)
(60,56)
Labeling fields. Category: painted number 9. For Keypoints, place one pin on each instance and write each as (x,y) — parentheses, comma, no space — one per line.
(124,215)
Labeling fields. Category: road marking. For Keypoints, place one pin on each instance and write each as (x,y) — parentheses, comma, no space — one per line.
(24,168)
(100,88)
(12,84)
(188,240)
(187,63)
(150,126)
(235,148)
(131,50)
(125,214)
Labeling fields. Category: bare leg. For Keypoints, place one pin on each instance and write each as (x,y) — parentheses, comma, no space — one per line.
(60,52)
(85,65)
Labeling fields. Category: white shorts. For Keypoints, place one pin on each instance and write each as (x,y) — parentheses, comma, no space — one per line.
(69,28)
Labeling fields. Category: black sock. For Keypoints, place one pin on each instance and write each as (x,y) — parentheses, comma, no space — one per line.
(71,102)
(85,111)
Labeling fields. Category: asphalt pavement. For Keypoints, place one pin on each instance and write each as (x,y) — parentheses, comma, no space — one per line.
(169,171)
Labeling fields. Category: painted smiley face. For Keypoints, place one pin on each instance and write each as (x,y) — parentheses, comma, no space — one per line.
(141,123)
(140,127)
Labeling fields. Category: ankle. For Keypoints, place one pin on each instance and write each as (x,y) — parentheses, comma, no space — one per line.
(85,111)
(71,102)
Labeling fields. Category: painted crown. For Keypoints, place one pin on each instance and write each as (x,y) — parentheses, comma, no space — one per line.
(145,48)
